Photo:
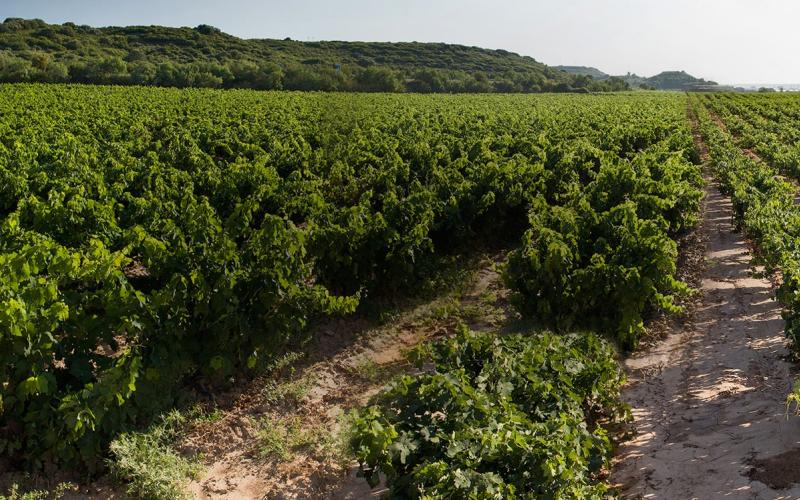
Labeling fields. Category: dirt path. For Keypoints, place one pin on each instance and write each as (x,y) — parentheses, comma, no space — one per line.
(280,440)
(708,401)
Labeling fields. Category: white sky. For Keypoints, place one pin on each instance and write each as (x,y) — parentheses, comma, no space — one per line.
(730,41)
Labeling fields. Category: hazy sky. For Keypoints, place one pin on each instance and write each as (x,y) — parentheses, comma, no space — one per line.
(731,41)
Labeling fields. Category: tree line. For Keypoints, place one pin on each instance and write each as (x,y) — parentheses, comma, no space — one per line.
(35,51)
(267,75)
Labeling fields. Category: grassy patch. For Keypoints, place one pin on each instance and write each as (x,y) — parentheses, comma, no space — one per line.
(293,391)
(489,298)
(199,414)
(368,370)
(15,494)
(282,439)
(148,464)
(284,361)
(273,441)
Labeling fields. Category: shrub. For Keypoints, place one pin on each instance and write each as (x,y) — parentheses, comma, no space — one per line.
(499,417)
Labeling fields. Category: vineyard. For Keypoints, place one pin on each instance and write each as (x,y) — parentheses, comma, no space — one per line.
(152,240)
(757,165)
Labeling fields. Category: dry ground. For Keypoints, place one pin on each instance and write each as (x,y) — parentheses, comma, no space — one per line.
(709,400)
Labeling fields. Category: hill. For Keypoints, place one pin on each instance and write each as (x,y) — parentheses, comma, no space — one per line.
(204,56)
(678,80)
(667,80)
(584,70)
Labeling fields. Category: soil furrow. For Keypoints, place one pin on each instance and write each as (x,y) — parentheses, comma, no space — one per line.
(709,401)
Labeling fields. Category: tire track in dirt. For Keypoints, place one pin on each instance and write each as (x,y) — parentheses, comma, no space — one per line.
(709,401)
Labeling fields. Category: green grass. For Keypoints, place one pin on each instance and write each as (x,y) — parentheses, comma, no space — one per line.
(15,494)
(198,414)
(489,298)
(281,439)
(369,370)
(273,441)
(149,466)
(292,392)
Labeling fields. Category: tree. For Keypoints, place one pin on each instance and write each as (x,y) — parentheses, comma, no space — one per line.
(108,70)
(531,82)
(582,81)
(14,69)
(248,74)
(270,77)
(378,79)
(427,80)
(206,29)
(304,77)
(55,72)
(142,72)
(616,84)
(202,75)
(40,60)
(506,84)
(205,56)
(167,75)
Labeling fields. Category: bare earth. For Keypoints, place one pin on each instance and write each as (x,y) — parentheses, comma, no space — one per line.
(709,400)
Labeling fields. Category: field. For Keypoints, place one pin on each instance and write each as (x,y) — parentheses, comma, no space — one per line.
(160,245)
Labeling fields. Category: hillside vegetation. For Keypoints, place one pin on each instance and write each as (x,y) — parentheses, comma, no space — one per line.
(666,80)
(584,70)
(677,80)
(35,51)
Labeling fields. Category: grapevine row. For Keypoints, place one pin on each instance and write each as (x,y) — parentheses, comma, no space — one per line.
(764,204)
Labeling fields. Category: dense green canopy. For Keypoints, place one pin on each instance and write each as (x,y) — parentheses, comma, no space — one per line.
(34,51)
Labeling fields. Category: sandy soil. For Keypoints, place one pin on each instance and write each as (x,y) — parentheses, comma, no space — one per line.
(709,400)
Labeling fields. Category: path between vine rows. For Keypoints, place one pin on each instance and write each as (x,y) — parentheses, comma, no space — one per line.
(334,383)
(709,400)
